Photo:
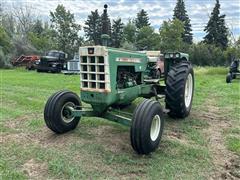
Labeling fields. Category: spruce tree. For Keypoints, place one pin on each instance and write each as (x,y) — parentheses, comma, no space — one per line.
(105,22)
(93,28)
(142,19)
(217,32)
(117,32)
(180,13)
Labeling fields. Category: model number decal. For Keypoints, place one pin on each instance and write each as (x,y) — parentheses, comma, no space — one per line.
(131,60)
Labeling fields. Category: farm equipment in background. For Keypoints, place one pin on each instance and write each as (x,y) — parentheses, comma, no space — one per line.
(233,71)
(72,66)
(53,62)
(111,78)
(25,60)
(32,65)
(155,63)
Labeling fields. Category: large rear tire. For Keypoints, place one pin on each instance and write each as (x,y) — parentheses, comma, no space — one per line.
(57,114)
(147,127)
(179,89)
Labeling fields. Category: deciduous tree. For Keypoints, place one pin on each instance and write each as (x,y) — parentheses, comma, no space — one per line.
(147,39)
(65,30)
(129,32)
(171,35)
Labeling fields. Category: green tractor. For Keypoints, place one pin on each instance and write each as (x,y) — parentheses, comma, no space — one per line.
(113,78)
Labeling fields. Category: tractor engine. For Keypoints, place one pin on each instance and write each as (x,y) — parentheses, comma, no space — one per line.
(126,77)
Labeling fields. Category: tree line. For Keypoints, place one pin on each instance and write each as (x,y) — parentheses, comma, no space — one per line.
(21,33)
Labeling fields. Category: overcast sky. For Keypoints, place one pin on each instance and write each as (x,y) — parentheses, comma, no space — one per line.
(158,10)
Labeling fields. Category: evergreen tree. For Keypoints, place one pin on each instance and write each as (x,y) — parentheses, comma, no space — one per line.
(180,13)
(105,22)
(117,32)
(217,32)
(142,19)
(93,27)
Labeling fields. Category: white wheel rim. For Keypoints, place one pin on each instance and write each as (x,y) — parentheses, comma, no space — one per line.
(155,127)
(188,90)
(66,106)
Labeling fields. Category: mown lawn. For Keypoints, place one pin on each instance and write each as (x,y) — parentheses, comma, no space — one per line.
(198,147)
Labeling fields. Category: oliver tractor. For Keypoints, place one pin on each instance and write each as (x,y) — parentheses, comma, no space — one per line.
(113,78)
(233,71)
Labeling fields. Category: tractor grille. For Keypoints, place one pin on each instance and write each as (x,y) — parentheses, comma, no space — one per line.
(94,71)
(73,65)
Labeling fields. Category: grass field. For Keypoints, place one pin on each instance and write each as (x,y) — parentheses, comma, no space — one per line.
(205,145)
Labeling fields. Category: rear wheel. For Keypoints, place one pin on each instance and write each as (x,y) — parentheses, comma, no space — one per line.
(179,90)
(229,78)
(147,126)
(57,113)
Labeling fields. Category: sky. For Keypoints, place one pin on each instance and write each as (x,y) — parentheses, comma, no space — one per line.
(158,11)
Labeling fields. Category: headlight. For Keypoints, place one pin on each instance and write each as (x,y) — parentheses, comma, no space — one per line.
(65,66)
(54,65)
(171,55)
(177,55)
(166,56)
(37,62)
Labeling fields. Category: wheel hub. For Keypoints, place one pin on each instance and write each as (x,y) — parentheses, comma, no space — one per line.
(155,127)
(66,112)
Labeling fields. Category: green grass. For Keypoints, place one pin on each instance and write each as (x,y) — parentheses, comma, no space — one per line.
(233,143)
(99,149)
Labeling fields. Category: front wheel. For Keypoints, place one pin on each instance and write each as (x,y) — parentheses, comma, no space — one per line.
(147,126)
(229,78)
(179,90)
(57,113)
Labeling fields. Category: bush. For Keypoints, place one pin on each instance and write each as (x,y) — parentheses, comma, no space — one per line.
(206,55)
(128,46)
(2,59)
(231,53)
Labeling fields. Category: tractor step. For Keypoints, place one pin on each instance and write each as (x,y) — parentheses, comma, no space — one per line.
(152,80)
(165,111)
(160,96)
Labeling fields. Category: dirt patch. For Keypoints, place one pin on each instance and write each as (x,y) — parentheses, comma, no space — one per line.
(35,170)
(48,139)
(14,137)
(177,136)
(17,123)
(217,125)
(116,142)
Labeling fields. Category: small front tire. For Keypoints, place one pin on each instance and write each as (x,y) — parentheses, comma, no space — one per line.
(147,127)
(229,78)
(57,112)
